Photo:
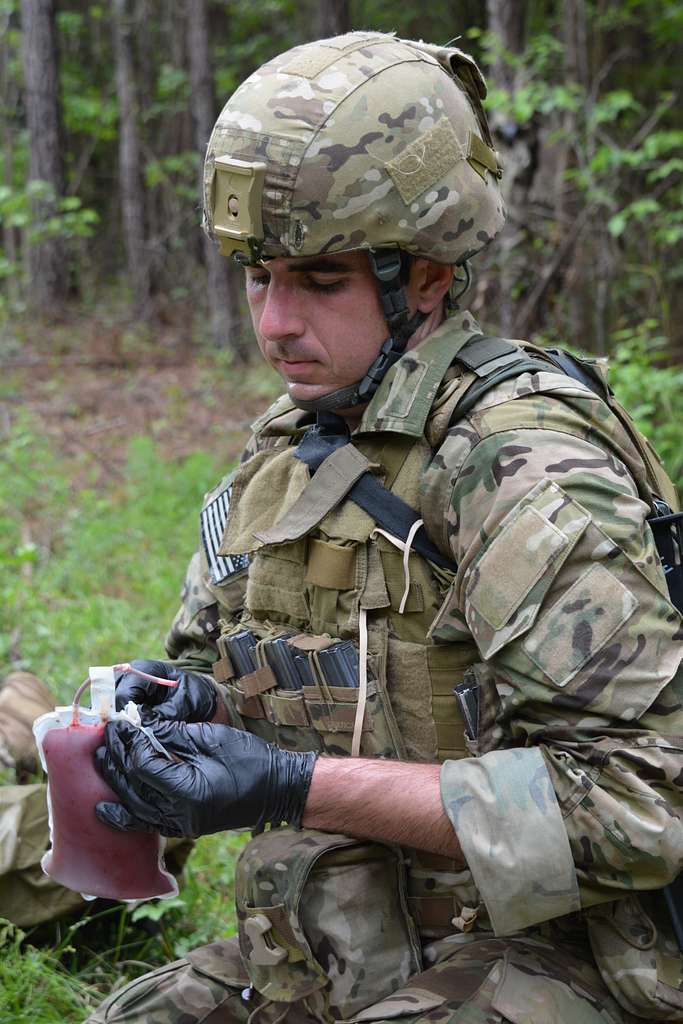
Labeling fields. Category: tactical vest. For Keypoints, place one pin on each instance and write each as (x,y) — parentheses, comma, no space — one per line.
(319,568)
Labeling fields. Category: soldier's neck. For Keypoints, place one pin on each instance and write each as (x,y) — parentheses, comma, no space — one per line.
(352,417)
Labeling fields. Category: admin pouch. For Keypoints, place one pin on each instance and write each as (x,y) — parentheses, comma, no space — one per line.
(638,957)
(323,921)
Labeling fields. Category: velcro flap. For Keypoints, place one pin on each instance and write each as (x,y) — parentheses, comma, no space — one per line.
(264,487)
(547,999)
(337,716)
(330,485)
(311,61)
(331,566)
(482,158)
(605,603)
(246,707)
(304,642)
(506,585)
(503,578)
(432,911)
(223,669)
(260,681)
(285,710)
(426,160)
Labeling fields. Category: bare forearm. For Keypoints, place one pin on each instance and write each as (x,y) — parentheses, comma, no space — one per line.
(386,800)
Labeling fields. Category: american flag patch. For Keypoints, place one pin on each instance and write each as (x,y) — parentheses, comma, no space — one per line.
(213,519)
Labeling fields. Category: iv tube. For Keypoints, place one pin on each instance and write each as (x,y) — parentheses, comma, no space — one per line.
(125,667)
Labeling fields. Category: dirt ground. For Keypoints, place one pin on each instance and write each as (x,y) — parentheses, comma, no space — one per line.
(92,386)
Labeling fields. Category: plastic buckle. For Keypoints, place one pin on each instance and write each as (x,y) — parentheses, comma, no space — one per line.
(263,953)
(385,263)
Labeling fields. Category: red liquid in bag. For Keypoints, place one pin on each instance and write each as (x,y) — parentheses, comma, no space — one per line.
(86,854)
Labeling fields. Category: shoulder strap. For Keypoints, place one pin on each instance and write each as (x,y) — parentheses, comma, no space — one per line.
(495,360)
(387,509)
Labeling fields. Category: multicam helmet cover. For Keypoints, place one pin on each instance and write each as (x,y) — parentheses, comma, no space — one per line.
(357,142)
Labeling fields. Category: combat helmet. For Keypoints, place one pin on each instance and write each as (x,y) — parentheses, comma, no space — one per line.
(359,142)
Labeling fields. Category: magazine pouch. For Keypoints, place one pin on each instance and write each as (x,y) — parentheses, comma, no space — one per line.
(638,957)
(323,921)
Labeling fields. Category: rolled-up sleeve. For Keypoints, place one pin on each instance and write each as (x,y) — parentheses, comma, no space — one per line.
(575,795)
(505,814)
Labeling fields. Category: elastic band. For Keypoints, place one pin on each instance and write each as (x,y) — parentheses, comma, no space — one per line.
(405,548)
(363,682)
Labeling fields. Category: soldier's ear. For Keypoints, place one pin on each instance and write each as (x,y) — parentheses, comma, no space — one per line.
(428,284)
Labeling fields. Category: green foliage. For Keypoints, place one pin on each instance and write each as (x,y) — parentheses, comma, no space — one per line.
(597,88)
(90,575)
(203,910)
(651,388)
(67,217)
(98,581)
(33,209)
(179,170)
(34,987)
(61,971)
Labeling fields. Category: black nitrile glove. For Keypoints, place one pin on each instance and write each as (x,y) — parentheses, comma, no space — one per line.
(194,699)
(216,778)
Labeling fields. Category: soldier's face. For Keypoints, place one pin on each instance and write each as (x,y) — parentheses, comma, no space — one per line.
(318,320)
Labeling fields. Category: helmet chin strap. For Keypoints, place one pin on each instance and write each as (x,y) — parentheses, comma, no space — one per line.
(386,267)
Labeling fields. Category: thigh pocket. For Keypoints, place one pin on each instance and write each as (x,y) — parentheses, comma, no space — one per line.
(638,957)
(521,998)
(320,912)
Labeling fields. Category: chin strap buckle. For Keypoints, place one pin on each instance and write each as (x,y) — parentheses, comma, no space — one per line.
(386,267)
(390,352)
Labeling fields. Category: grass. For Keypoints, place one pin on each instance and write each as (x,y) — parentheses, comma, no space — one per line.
(91,575)
(60,971)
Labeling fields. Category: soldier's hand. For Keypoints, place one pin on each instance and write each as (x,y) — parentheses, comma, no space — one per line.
(212,778)
(194,699)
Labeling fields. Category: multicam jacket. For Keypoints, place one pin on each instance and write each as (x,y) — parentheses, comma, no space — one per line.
(570,795)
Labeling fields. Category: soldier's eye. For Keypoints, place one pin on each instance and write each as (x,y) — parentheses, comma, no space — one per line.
(257,280)
(324,283)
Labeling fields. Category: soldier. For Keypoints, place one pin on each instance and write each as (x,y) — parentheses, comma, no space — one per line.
(437,619)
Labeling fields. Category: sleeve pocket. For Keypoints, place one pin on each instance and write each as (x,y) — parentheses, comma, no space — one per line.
(577,626)
(506,586)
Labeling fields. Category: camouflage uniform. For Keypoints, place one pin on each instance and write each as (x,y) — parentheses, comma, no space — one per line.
(567,803)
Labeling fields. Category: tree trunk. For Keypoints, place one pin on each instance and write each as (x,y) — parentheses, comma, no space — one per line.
(8,107)
(518,146)
(590,267)
(47,263)
(222,275)
(130,174)
(333,18)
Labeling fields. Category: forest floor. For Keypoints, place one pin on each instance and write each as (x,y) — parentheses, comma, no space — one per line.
(92,384)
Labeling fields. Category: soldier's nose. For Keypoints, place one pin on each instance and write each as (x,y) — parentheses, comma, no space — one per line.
(281,317)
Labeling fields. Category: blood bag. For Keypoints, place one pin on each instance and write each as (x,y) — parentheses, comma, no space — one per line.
(85,854)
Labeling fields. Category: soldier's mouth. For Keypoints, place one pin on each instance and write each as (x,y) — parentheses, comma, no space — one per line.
(295,369)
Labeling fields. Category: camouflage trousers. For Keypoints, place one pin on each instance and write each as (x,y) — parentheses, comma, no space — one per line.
(27,896)
(484,981)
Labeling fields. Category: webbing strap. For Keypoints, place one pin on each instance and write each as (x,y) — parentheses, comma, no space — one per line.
(482,385)
(387,509)
(482,349)
(499,360)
